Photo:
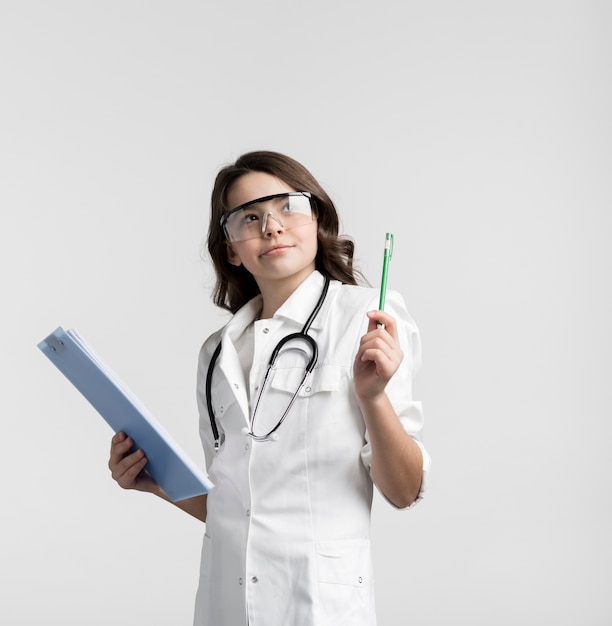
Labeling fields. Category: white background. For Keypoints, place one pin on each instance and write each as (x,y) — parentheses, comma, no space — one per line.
(479,132)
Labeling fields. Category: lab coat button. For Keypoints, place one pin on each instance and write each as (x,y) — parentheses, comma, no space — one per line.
(248,512)
(266,331)
(360,579)
(254,579)
(308,389)
(236,386)
(246,446)
(240,581)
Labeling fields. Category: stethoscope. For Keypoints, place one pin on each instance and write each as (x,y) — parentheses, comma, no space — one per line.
(299,336)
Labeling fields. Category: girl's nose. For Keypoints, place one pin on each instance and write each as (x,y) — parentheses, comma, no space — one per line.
(266,225)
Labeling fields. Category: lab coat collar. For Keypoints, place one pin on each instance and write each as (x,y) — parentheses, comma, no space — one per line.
(229,361)
(296,308)
(301,302)
(243,318)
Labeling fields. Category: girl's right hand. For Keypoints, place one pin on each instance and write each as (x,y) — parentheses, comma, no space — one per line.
(127,468)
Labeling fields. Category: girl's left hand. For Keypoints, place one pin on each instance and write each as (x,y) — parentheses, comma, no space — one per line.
(378,357)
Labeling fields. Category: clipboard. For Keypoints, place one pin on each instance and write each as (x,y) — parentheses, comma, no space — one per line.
(167,463)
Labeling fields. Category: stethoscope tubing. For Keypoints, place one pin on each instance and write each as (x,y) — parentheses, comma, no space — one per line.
(299,336)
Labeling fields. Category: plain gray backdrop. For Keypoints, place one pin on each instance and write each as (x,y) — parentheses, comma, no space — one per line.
(478,132)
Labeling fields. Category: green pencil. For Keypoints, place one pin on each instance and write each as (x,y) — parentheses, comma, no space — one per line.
(385,270)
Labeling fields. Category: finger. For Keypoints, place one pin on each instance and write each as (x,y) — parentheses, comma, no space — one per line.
(382,360)
(122,446)
(382,317)
(118,442)
(126,471)
(120,451)
(118,437)
(379,338)
(128,479)
(382,349)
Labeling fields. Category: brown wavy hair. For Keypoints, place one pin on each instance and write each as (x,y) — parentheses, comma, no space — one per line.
(235,286)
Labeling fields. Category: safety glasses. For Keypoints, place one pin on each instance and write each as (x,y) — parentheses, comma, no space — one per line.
(250,220)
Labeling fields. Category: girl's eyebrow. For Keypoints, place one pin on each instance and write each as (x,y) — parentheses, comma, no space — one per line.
(280,199)
(276,200)
(263,200)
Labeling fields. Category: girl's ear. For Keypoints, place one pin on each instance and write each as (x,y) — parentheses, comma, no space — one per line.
(232,257)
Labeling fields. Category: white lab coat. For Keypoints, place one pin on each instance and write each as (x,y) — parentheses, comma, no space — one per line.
(288,523)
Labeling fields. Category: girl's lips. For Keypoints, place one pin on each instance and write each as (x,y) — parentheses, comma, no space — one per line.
(275,250)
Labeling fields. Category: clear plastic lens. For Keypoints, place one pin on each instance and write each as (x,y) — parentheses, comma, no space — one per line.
(252,220)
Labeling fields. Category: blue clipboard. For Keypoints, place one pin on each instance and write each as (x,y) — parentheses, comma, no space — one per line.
(167,463)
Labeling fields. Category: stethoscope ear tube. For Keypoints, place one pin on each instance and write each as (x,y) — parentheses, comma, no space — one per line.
(213,422)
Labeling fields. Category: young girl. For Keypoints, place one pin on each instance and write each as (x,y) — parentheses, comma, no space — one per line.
(305,403)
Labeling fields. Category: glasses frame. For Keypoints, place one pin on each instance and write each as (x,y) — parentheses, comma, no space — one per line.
(307,194)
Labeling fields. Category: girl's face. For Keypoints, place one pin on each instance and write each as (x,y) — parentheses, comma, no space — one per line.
(278,253)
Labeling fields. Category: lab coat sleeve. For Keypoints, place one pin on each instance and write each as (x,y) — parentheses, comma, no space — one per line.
(399,388)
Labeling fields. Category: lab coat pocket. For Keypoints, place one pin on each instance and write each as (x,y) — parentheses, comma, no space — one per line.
(321,379)
(344,572)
